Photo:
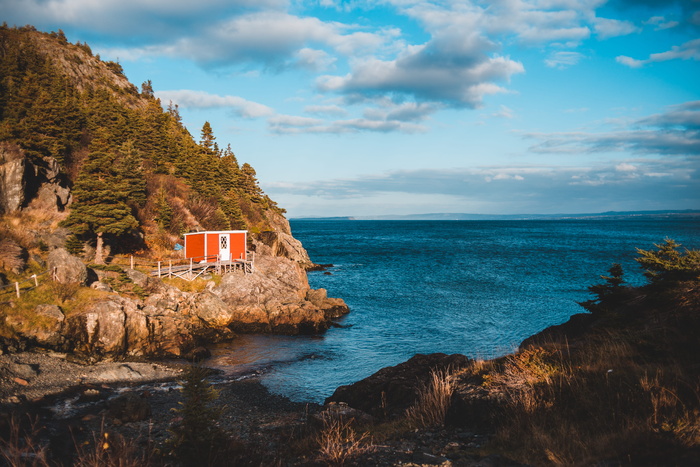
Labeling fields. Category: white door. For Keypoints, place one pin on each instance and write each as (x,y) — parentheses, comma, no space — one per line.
(224,248)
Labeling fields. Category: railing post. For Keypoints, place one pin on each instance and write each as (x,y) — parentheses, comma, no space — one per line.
(132,261)
(158,269)
(36,282)
(170,271)
(17,288)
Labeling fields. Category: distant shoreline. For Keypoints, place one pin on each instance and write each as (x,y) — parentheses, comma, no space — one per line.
(687,213)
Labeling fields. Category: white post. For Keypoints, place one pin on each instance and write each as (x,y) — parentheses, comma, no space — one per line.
(17,288)
(170,271)
(158,269)
(36,282)
(132,261)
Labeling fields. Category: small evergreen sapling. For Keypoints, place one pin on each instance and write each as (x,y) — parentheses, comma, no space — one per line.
(608,295)
(196,438)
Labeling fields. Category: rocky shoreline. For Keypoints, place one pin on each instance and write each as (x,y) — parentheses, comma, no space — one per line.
(133,402)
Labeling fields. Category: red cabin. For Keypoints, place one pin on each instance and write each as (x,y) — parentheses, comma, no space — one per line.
(211,246)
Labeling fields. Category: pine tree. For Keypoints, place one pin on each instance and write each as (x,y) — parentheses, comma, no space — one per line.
(608,295)
(248,183)
(129,173)
(208,139)
(99,208)
(163,211)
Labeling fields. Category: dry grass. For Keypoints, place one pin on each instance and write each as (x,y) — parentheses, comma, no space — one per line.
(20,446)
(107,450)
(338,442)
(603,402)
(433,400)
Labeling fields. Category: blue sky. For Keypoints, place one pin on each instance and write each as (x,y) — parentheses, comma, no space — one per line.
(361,108)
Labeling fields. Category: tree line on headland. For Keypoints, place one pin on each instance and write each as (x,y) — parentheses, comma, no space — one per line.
(138,179)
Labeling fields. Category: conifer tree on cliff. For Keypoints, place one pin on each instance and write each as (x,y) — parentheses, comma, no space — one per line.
(208,141)
(99,207)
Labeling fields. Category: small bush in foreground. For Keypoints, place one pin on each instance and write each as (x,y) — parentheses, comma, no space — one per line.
(338,442)
(433,400)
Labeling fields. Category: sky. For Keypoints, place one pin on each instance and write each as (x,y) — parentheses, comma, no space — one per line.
(367,108)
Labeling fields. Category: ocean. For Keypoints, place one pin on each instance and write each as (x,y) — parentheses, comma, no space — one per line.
(472,287)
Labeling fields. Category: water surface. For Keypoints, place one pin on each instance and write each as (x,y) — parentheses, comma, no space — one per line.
(472,287)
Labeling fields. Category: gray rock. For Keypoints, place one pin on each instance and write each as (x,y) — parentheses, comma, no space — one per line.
(66,269)
(24,371)
(97,285)
(212,310)
(13,183)
(101,328)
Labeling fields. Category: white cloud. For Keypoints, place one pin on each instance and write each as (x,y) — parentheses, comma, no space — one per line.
(563,59)
(687,51)
(673,133)
(504,112)
(661,23)
(606,28)
(332,110)
(518,189)
(136,20)
(199,99)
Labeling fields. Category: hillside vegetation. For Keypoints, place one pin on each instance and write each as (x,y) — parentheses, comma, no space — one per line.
(136,176)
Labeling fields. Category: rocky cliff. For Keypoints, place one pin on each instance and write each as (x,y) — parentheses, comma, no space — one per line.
(169,322)
(91,166)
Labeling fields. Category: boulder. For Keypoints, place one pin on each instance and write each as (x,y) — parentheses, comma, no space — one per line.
(392,390)
(101,329)
(45,328)
(271,299)
(66,269)
(341,413)
(212,310)
(332,308)
(48,330)
(146,282)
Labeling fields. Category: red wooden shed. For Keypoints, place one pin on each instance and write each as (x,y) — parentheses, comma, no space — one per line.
(221,245)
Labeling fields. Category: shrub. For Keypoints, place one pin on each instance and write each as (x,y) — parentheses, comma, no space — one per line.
(338,442)
(667,264)
(433,400)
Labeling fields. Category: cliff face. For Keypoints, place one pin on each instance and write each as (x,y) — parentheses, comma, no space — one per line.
(276,298)
(83,152)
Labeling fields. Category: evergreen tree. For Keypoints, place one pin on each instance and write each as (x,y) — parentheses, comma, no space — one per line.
(668,265)
(208,139)
(163,211)
(147,89)
(248,183)
(99,208)
(608,295)
(129,173)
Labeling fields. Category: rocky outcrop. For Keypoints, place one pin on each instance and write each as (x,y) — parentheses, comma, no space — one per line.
(392,390)
(66,269)
(275,298)
(14,172)
(172,323)
(23,179)
(45,328)
(279,241)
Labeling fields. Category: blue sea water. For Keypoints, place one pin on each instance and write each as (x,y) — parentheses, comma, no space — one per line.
(472,287)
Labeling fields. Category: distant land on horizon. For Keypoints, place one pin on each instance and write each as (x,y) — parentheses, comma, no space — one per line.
(473,217)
